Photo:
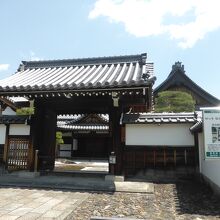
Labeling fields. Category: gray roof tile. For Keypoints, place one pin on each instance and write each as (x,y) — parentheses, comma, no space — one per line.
(73,122)
(135,118)
(14,119)
(75,74)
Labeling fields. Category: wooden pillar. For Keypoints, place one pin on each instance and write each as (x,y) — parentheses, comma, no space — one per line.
(116,147)
(149,95)
(36,133)
(5,155)
(196,139)
(44,137)
(47,149)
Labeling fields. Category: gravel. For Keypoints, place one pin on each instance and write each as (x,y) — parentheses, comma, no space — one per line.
(182,200)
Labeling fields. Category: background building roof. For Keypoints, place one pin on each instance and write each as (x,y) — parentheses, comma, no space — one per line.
(88,122)
(177,79)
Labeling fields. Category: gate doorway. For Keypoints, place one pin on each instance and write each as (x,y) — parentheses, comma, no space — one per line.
(86,143)
(18,153)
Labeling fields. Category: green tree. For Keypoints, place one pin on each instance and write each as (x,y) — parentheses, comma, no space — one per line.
(59,140)
(59,137)
(174,101)
(25,111)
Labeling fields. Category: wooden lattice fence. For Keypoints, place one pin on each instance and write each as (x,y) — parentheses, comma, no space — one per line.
(18,154)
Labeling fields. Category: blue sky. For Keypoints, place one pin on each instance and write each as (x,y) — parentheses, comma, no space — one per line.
(167,30)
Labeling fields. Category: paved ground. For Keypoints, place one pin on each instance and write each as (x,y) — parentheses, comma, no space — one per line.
(31,204)
(180,201)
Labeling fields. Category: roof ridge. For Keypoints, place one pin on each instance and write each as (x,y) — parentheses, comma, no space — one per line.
(89,60)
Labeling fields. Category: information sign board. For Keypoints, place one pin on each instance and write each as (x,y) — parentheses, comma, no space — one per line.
(211,128)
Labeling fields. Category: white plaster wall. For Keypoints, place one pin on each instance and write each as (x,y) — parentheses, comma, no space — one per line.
(209,167)
(8,111)
(2,133)
(19,129)
(155,135)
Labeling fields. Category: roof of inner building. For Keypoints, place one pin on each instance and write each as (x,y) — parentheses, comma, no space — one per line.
(88,74)
(177,78)
(82,122)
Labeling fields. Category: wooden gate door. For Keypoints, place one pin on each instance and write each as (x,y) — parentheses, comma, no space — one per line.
(18,153)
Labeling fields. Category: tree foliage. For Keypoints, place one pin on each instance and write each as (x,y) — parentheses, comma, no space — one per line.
(59,137)
(25,111)
(174,101)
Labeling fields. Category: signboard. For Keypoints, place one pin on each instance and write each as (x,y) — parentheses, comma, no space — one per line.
(211,125)
(112,159)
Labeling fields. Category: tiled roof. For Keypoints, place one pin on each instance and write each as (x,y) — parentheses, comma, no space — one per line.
(154,118)
(80,74)
(198,126)
(75,122)
(177,77)
(14,119)
(71,117)
(82,127)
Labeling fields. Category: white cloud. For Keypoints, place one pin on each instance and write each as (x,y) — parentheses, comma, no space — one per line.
(33,56)
(4,67)
(144,18)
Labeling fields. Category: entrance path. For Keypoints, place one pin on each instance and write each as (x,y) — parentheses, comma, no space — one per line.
(25,204)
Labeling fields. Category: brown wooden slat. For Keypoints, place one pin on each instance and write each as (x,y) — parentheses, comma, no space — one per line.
(17,154)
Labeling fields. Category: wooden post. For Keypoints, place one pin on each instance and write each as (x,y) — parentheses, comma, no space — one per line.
(5,156)
(174,155)
(36,133)
(36,161)
(116,139)
(154,157)
(185,156)
(196,147)
(144,158)
(47,148)
(44,136)
(150,99)
(164,157)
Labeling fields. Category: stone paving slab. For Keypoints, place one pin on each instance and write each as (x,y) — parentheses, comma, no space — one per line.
(137,187)
(105,218)
(38,204)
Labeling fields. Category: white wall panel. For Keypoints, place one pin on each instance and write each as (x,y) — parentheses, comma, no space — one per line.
(19,129)
(8,111)
(65,154)
(65,147)
(2,133)
(163,134)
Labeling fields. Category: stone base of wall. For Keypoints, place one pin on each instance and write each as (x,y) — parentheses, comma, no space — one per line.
(166,175)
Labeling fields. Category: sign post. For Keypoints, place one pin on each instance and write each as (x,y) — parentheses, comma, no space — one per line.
(211,128)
